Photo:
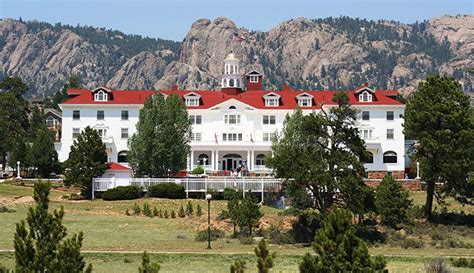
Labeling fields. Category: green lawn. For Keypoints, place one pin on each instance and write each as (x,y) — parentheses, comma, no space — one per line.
(107,228)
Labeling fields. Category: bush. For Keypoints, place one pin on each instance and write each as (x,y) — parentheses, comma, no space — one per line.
(437,266)
(166,214)
(155,211)
(392,202)
(181,212)
(136,209)
(198,170)
(199,210)
(173,214)
(147,210)
(411,243)
(246,240)
(201,236)
(462,262)
(453,243)
(189,208)
(304,228)
(230,194)
(122,193)
(167,190)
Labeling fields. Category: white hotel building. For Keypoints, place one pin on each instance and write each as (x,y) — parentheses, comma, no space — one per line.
(234,125)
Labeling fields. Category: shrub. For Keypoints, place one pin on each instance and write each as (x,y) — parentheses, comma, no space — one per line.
(122,193)
(264,257)
(181,212)
(453,243)
(155,211)
(167,190)
(199,210)
(147,266)
(160,213)
(304,228)
(198,170)
(246,240)
(238,266)
(166,214)
(4,208)
(411,243)
(230,193)
(147,210)
(391,201)
(277,236)
(462,262)
(223,215)
(173,214)
(189,208)
(201,236)
(127,212)
(437,266)
(136,208)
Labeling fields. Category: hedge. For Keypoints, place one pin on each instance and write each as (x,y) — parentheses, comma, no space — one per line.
(167,190)
(122,193)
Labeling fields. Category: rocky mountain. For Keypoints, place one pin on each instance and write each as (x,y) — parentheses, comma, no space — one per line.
(330,53)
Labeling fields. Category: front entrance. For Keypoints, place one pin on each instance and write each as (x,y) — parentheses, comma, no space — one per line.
(231,162)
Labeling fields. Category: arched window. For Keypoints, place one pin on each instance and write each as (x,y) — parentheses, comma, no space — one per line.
(203,159)
(390,157)
(238,82)
(232,107)
(50,122)
(122,157)
(365,96)
(100,96)
(260,160)
(231,83)
(371,158)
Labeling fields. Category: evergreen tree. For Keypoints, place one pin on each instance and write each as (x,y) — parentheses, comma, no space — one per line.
(161,144)
(234,212)
(36,122)
(42,246)
(440,117)
(249,213)
(322,157)
(43,155)
(73,82)
(86,160)
(338,249)
(147,266)
(392,201)
(238,266)
(264,258)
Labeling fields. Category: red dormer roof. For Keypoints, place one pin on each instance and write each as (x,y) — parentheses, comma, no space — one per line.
(112,166)
(209,98)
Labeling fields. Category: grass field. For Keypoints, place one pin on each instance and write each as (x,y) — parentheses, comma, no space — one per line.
(107,228)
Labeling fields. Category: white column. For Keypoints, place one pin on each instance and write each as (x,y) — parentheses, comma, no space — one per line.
(248,159)
(188,161)
(252,160)
(213,159)
(217,160)
(192,159)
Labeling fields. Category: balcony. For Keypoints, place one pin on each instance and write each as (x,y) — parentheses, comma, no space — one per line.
(261,169)
(108,139)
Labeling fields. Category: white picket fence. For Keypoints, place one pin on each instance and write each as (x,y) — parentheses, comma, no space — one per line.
(194,185)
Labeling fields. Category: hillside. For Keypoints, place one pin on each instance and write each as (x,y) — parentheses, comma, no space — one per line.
(330,53)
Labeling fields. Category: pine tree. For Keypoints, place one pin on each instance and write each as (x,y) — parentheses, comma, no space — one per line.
(233,209)
(42,246)
(264,258)
(86,160)
(43,155)
(181,212)
(249,213)
(392,201)
(161,144)
(440,117)
(199,210)
(338,248)
(72,82)
(189,208)
(36,122)
(147,266)
(238,266)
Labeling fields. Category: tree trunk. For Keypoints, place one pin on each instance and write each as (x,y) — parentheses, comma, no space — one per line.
(429,199)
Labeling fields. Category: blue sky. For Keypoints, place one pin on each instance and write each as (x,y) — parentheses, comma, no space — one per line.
(170,19)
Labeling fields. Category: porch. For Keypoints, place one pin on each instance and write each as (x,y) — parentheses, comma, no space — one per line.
(218,162)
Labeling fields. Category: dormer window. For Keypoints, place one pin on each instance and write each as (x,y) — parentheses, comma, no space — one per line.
(100,96)
(272,99)
(253,78)
(365,96)
(192,99)
(305,100)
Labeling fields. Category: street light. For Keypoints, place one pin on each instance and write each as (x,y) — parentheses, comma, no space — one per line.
(417,170)
(205,160)
(208,198)
(18,170)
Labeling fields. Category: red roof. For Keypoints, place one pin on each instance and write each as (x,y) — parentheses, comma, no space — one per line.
(112,166)
(254,98)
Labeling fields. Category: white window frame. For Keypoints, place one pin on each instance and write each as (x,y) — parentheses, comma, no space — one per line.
(232,137)
(268,137)
(124,131)
(272,101)
(305,102)
(76,132)
(365,133)
(390,134)
(102,132)
(269,119)
(232,119)
(192,101)
(253,78)
(365,96)
(101,96)
(196,137)
(195,119)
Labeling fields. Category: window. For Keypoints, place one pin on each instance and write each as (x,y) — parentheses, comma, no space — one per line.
(268,136)
(102,132)
(390,133)
(203,159)
(50,122)
(124,114)
(232,137)
(260,160)
(124,132)
(100,114)
(100,96)
(365,133)
(76,114)
(75,132)
(272,101)
(390,157)
(253,78)
(365,115)
(122,157)
(192,101)
(370,159)
(196,137)
(195,119)
(269,119)
(390,115)
(365,96)
(232,119)
(232,107)
(231,83)
(305,102)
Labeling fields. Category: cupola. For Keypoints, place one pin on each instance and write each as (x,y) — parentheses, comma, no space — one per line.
(231,80)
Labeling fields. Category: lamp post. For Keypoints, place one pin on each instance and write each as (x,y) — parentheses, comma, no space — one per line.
(208,198)
(205,160)
(417,170)
(18,170)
